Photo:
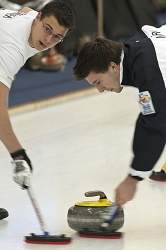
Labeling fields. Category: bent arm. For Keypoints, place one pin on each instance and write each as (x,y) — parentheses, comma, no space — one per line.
(148,144)
(7,135)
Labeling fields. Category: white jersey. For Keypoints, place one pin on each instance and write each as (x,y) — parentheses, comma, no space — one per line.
(15,28)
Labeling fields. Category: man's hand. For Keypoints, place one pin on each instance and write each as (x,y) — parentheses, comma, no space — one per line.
(125,191)
(22,168)
(21,173)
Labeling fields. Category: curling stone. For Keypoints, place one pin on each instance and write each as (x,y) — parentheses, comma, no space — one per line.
(160,175)
(53,61)
(86,215)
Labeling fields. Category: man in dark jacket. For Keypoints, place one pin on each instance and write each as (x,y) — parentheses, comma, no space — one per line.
(140,62)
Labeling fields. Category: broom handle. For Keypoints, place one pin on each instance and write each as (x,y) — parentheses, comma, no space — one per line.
(36,207)
(100,18)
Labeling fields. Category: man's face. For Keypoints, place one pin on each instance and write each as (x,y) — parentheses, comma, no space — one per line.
(45,33)
(109,81)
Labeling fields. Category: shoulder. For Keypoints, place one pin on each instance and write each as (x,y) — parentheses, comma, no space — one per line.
(139,36)
(26,9)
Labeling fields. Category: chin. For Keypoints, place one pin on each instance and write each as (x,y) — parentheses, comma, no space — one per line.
(119,90)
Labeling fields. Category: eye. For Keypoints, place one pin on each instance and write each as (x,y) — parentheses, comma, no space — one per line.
(95,83)
(47,30)
(57,38)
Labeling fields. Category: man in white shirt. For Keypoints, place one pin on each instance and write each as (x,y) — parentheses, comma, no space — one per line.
(23,34)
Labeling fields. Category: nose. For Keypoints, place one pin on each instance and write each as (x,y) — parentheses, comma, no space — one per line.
(48,38)
(100,88)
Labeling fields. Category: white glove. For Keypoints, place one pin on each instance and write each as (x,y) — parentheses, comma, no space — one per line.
(21,173)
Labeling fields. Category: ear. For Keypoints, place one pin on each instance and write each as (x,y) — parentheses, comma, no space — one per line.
(114,66)
(38,17)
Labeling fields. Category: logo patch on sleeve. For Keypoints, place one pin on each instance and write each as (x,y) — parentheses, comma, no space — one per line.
(145,102)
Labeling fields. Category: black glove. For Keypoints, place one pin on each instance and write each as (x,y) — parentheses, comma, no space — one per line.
(21,155)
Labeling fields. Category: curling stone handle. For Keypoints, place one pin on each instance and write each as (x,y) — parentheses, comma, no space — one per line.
(96,193)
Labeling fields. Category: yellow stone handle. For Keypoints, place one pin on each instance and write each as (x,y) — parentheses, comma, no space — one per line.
(96,193)
(164,167)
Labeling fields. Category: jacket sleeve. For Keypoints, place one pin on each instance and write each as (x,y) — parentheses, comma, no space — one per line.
(148,144)
(150,130)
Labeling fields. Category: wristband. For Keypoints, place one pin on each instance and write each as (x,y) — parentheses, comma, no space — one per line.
(21,154)
(136,177)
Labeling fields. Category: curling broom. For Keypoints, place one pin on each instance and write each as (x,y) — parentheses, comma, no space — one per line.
(46,238)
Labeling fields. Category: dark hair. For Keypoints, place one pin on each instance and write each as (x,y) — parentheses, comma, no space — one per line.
(96,56)
(62,12)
